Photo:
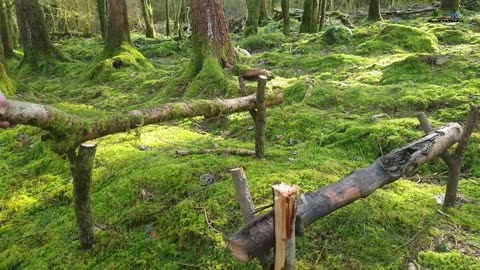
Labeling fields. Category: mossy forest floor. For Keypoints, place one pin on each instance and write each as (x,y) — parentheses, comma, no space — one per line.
(390,70)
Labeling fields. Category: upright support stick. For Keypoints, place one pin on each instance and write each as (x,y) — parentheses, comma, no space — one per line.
(260,121)
(285,212)
(81,168)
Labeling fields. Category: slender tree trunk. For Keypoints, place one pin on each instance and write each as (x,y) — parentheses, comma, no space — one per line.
(102,16)
(148,18)
(322,14)
(167,18)
(12,27)
(33,33)
(374,11)
(253,10)
(6,84)
(286,17)
(118,31)
(310,17)
(4,28)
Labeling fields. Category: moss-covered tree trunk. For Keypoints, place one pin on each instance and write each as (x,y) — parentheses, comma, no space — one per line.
(286,17)
(6,84)
(118,31)
(148,18)
(167,18)
(322,14)
(310,17)
(4,28)
(253,14)
(374,11)
(34,37)
(263,15)
(102,16)
(12,27)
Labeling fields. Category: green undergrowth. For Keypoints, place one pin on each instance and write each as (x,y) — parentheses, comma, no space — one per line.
(346,103)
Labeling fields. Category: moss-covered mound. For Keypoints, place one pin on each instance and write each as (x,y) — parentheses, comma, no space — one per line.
(112,59)
(451,36)
(262,42)
(399,38)
(336,34)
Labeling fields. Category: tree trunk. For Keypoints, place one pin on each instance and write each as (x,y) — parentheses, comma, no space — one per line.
(33,33)
(448,6)
(4,28)
(118,31)
(322,14)
(69,131)
(167,18)
(102,16)
(210,35)
(310,17)
(253,14)
(12,27)
(263,15)
(258,235)
(6,84)
(148,18)
(374,11)
(286,17)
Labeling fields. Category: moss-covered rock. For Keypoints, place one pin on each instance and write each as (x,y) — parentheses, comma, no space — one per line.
(399,38)
(262,41)
(451,36)
(336,34)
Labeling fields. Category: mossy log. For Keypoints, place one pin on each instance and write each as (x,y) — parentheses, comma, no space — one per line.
(69,131)
(258,236)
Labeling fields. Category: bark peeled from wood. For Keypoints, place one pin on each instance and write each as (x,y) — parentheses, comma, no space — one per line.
(75,130)
(284,215)
(258,235)
(260,118)
(286,17)
(232,151)
(147,18)
(81,166)
(34,37)
(374,11)
(118,30)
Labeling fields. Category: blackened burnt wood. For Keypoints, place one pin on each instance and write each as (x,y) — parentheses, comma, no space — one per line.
(258,235)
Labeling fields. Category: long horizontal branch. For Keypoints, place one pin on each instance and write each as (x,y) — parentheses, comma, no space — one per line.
(69,130)
(258,236)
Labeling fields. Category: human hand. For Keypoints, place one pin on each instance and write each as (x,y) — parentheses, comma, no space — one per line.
(3,110)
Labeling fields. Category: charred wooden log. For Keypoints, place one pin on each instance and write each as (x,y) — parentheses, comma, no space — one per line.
(258,236)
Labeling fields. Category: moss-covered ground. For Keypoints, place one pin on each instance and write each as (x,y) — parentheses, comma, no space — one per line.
(364,87)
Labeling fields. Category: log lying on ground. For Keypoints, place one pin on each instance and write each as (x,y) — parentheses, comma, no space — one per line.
(258,235)
(71,131)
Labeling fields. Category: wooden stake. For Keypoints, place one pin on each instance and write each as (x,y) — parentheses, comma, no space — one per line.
(81,168)
(260,121)
(285,212)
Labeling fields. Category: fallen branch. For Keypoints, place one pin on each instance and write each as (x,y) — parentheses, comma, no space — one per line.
(232,151)
(69,131)
(257,236)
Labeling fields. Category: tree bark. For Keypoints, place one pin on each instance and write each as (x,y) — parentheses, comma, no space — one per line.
(69,131)
(4,28)
(167,18)
(258,235)
(322,14)
(81,166)
(6,84)
(118,30)
(286,17)
(33,33)
(260,118)
(148,18)
(374,11)
(310,17)
(210,35)
(253,14)
(448,6)
(263,15)
(102,16)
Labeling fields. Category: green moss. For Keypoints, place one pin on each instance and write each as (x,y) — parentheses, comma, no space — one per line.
(398,38)
(451,36)
(262,42)
(445,261)
(295,93)
(336,34)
